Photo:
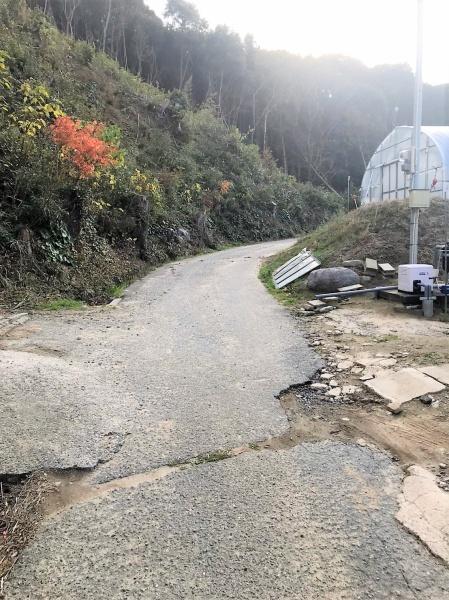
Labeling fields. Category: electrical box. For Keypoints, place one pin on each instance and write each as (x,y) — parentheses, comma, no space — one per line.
(412,277)
(419,199)
(405,160)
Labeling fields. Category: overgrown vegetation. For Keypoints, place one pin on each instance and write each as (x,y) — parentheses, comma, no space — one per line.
(20,513)
(102,175)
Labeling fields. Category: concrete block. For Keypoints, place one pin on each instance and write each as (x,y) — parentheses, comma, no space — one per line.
(438,372)
(424,510)
(371,264)
(399,387)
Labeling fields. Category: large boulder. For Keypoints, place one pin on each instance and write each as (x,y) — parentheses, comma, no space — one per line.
(330,280)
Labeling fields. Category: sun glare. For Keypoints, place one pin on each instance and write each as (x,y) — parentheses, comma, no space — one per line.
(373,31)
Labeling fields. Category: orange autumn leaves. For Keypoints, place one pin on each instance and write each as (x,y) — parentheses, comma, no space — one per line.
(82,145)
(225,187)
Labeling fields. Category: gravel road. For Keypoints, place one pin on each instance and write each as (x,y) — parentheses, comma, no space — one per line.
(191,362)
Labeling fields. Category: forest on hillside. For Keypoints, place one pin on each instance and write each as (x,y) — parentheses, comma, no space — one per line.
(320,117)
(103,174)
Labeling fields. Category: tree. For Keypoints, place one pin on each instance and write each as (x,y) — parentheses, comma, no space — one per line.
(85,154)
(184,15)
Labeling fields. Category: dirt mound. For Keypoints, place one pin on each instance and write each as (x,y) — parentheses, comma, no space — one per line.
(378,231)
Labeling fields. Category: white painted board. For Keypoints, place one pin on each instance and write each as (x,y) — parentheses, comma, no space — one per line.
(297,267)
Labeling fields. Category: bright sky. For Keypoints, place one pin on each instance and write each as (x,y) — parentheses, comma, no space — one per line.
(374,31)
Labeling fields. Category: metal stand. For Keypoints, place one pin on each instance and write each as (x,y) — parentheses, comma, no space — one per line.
(414,227)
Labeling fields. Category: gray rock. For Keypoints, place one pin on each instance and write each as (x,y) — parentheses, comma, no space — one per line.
(427,399)
(330,280)
(183,235)
(353,263)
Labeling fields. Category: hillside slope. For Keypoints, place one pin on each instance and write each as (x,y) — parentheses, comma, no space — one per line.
(85,206)
(379,231)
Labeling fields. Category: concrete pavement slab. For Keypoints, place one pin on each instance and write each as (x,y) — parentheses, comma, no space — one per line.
(424,510)
(189,362)
(438,372)
(314,522)
(403,386)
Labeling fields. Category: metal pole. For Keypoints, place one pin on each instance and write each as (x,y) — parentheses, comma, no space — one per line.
(446,248)
(416,142)
(385,288)
(349,191)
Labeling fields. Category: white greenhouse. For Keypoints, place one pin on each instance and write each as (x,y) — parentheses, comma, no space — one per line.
(384,178)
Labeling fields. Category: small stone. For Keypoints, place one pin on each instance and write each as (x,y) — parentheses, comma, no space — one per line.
(326,309)
(365,279)
(443,466)
(357,370)
(335,393)
(387,362)
(353,263)
(308,308)
(318,386)
(333,383)
(366,377)
(350,389)
(345,365)
(426,399)
(326,376)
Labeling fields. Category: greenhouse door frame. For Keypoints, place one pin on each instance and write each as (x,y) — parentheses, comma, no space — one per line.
(392,193)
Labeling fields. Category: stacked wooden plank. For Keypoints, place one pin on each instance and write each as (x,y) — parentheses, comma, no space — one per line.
(298,266)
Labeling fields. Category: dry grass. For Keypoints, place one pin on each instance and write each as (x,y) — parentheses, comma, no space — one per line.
(20,513)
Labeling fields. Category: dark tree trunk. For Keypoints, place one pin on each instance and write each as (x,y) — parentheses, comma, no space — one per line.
(143,223)
(76,214)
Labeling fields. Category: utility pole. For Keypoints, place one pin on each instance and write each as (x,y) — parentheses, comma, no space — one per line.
(416,141)
(349,192)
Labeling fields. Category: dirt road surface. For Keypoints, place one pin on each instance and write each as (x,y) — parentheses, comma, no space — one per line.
(189,365)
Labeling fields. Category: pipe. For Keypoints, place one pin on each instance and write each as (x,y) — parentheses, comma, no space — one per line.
(416,143)
(357,292)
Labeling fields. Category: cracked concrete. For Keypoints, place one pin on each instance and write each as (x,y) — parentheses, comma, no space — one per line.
(424,510)
(316,521)
(190,361)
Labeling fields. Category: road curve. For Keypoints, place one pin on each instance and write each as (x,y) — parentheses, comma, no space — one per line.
(189,362)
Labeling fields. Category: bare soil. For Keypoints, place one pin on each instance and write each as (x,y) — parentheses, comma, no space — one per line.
(360,328)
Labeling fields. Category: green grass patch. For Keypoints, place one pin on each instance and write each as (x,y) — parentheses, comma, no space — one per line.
(62,304)
(117,291)
(390,337)
(297,292)
(432,358)
(216,456)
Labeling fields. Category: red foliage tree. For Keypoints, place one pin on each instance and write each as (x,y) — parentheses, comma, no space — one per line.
(81,144)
